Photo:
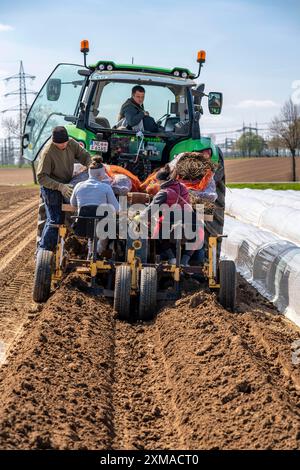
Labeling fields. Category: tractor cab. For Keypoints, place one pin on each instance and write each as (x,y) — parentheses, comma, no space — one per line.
(141,150)
(88,101)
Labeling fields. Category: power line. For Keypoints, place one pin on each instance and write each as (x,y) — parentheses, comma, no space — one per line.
(242,129)
(22,92)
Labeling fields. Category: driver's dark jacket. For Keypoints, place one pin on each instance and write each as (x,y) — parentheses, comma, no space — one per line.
(132,112)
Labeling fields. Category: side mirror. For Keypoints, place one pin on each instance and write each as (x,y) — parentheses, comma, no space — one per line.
(215,101)
(53,89)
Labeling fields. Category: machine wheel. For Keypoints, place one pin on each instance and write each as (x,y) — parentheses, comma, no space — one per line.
(122,292)
(42,276)
(148,291)
(227,293)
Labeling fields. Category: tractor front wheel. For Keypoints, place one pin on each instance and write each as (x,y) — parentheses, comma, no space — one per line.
(42,275)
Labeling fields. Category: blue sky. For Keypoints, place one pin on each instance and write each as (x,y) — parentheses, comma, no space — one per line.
(252,46)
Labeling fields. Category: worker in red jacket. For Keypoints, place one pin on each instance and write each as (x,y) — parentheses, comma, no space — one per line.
(171,193)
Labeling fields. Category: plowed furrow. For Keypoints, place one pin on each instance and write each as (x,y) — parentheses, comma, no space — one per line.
(144,411)
(12,198)
(17,245)
(15,215)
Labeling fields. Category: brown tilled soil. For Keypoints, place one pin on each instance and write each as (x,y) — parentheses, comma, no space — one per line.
(11,197)
(18,219)
(261,169)
(240,170)
(16,176)
(198,377)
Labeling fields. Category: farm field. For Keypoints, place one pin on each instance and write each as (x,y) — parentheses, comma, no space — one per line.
(197,377)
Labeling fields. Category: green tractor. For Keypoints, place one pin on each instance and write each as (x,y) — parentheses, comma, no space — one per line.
(87,100)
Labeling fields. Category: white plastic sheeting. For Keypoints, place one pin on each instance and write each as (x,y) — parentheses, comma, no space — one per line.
(267,259)
(270,197)
(279,213)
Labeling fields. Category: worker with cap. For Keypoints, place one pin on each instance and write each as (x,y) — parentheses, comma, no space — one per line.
(54,172)
(88,196)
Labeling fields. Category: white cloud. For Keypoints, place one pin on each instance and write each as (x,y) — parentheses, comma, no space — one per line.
(248,104)
(6,27)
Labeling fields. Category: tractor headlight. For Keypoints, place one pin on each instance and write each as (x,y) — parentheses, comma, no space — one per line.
(176,73)
(184,74)
(101,67)
(109,67)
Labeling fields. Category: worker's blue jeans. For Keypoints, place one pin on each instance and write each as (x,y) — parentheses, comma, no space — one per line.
(53,201)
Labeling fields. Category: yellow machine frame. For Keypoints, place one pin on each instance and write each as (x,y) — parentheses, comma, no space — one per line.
(92,268)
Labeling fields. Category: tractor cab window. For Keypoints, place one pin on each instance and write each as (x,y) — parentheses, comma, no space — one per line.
(166,108)
(59,97)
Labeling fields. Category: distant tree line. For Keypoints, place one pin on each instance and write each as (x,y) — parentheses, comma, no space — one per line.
(285,131)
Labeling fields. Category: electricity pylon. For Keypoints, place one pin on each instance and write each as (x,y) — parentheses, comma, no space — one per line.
(22,107)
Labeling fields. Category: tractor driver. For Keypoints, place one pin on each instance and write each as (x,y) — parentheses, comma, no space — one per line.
(54,172)
(132,114)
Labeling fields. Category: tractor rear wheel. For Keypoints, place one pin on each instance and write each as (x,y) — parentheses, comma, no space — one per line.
(42,276)
(122,292)
(227,293)
(148,293)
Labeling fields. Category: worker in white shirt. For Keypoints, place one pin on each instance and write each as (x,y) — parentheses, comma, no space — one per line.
(88,196)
